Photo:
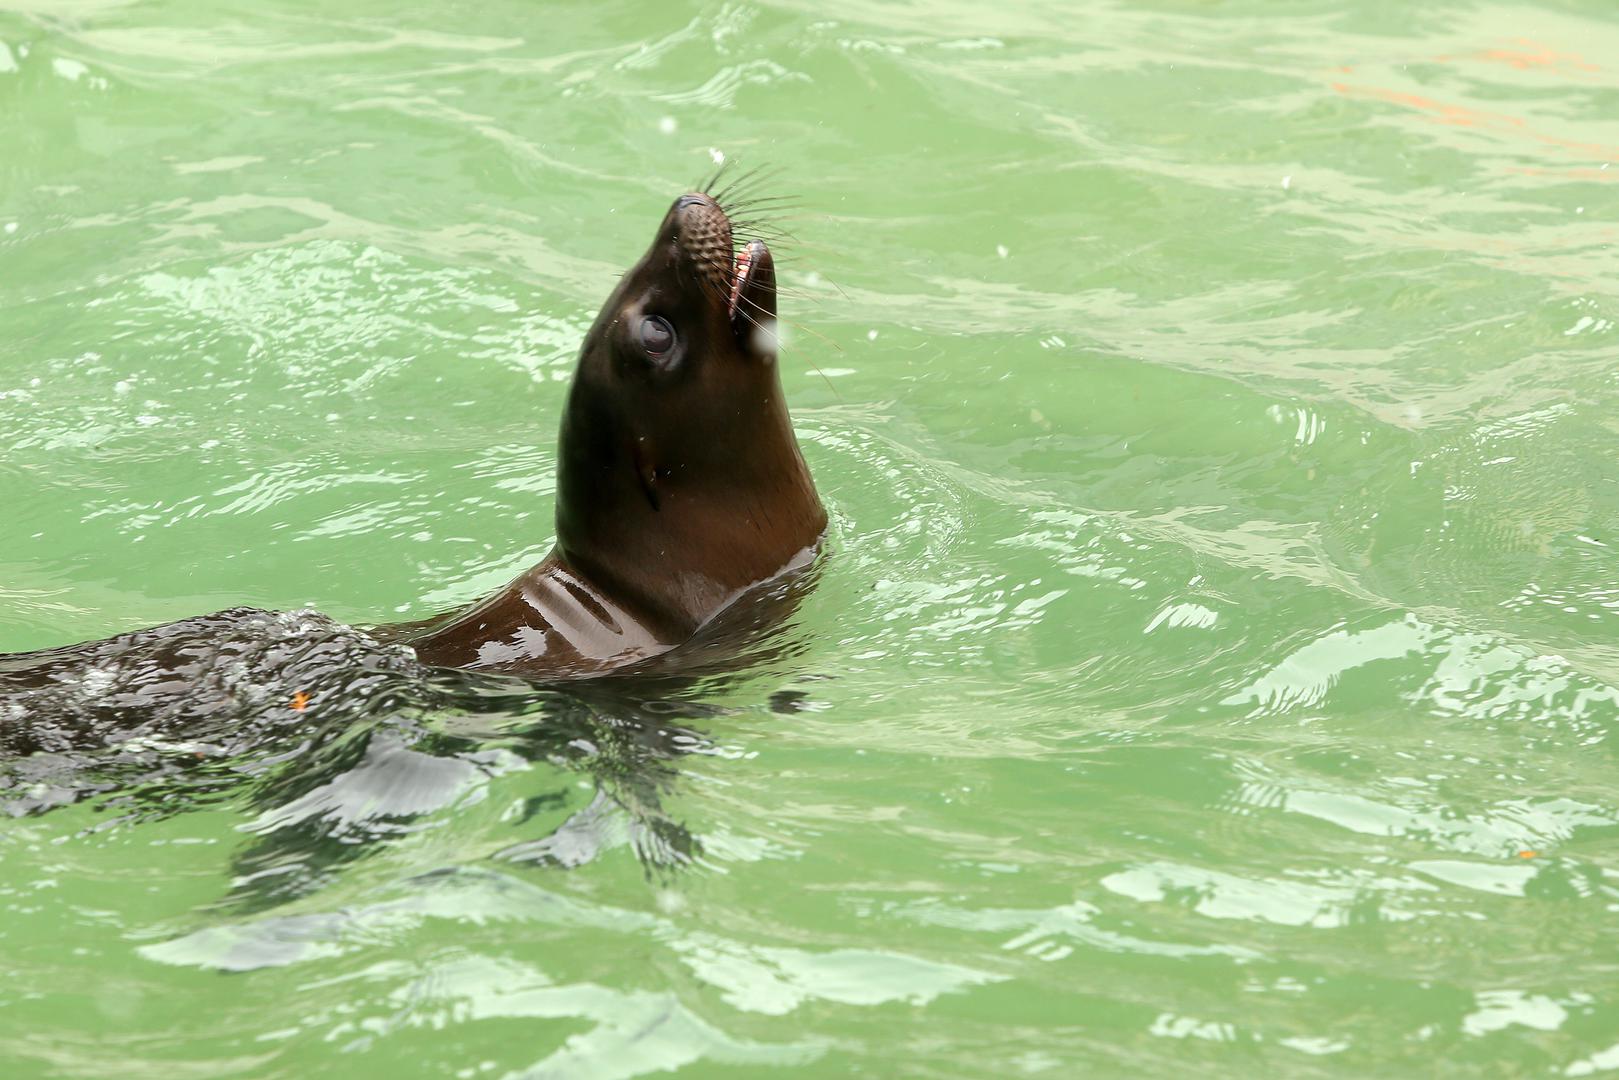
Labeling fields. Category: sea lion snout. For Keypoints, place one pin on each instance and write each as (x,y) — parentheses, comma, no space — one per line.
(737,283)
(702,232)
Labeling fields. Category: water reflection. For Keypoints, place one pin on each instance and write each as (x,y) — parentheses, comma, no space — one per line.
(599,764)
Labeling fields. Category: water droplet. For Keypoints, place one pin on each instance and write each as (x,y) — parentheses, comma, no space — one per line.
(767,337)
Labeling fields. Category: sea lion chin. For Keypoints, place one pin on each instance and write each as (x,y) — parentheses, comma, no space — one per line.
(680,485)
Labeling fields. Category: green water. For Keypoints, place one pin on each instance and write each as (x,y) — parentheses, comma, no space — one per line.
(1215,666)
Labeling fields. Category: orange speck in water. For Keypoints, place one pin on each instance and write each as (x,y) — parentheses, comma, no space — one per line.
(1605,176)
(1461,116)
(299,701)
(1527,54)
(1527,854)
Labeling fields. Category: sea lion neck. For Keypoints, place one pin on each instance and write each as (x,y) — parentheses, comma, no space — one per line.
(675,523)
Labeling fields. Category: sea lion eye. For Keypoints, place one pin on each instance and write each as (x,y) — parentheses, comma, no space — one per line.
(657,336)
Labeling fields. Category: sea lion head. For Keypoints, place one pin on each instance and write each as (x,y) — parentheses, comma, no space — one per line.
(679,480)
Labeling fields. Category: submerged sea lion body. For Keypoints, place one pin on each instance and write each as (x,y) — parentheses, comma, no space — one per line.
(680,488)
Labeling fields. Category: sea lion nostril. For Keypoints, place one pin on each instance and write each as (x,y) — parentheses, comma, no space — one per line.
(692,200)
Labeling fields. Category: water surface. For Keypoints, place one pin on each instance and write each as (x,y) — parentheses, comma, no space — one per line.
(1215,663)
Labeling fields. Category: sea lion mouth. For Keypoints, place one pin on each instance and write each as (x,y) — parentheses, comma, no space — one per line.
(739,275)
(753,297)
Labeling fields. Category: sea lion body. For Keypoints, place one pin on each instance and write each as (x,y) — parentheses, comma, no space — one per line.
(680,489)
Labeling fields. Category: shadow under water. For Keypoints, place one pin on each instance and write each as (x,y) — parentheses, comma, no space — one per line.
(368,784)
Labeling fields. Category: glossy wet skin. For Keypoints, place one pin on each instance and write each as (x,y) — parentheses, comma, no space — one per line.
(679,481)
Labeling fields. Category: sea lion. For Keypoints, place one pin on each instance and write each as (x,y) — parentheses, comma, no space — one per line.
(680,485)
(680,488)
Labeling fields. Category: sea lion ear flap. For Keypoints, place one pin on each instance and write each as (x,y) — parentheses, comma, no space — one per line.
(647,473)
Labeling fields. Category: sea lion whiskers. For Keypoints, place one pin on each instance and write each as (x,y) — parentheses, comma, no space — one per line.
(774,333)
(750,180)
(707,186)
(775,202)
(744,229)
